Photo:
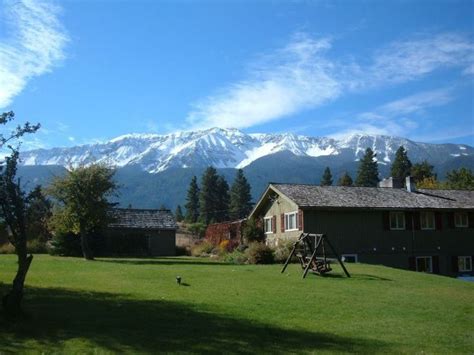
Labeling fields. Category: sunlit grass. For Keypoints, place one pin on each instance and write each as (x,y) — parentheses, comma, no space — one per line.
(136,305)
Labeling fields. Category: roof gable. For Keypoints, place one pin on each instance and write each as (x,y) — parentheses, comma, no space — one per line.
(373,197)
(141,219)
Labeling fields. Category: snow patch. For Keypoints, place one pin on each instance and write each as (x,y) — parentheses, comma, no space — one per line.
(319,152)
(256,153)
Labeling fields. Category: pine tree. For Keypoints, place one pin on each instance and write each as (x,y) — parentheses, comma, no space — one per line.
(462,179)
(209,197)
(401,166)
(222,206)
(179,214)
(192,202)
(422,171)
(368,172)
(326,180)
(345,180)
(240,197)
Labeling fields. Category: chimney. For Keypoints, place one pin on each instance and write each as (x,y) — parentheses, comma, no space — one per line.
(392,183)
(410,184)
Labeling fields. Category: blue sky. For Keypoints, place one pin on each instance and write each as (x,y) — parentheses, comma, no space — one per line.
(93,70)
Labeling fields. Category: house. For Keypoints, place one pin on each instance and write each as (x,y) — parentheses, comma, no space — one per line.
(423,230)
(141,232)
(232,230)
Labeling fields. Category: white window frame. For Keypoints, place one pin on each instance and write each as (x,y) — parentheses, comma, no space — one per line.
(397,227)
(287,219)
(464,268)
(356,260)
(423,218)
(430,258)
(265,219)
(461,225)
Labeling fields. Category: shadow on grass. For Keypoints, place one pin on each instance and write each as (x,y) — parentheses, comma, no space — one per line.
(116,323)
(366,277)
(163,261)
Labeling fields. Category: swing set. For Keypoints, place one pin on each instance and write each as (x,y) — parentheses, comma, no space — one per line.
(310,250)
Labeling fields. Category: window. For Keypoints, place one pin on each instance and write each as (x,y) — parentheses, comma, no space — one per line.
(291,221)
(397,220)
(427,220)
(268,225)
(424,264)
(461,220)
(464,263)
(349,258)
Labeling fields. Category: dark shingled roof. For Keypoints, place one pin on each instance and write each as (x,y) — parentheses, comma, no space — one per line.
(141,219)
(374,197)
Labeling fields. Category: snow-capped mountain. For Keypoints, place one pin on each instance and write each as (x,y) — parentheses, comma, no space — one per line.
(231,148)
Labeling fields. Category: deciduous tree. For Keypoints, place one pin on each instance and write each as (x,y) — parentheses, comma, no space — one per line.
(14,205)
(345,180)
(422,171)
(83,194)
(461,179)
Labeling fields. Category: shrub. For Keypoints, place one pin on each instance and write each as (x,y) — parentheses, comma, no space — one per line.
(227,246)
(235,257)
(183,250)
(252,232)
(259,253)
(65,244)
(36,246)
(283,250)
(198,229)
(7,248)
(203,248)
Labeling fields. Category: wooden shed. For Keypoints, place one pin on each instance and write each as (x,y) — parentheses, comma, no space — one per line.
(141,232)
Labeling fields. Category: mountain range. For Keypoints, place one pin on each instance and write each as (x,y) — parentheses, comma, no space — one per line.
(164,164)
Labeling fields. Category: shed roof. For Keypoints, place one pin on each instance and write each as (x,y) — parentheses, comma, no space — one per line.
(141,219)
(375,197)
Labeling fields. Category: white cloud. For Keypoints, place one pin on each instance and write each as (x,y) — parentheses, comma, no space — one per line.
(396,117)
(301,76)
(36,44)
(403,61)
(291,79)
(417,102)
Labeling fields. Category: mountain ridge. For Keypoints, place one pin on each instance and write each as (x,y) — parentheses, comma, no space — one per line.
(231,148)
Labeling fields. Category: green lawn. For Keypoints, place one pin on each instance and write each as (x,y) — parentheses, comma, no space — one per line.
(135,305)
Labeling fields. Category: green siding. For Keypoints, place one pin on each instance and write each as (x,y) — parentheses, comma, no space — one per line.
(362,232)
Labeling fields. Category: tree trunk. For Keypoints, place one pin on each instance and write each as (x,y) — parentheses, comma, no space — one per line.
(86,250)
(12,300)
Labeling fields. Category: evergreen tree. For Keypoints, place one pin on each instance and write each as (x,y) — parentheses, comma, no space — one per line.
(179,214)
(240,197)
(368,172)
(345,180)
(462,179)
(326,180)
(222,206)
(209,198)
(401,166)
(422,171)
(192,202)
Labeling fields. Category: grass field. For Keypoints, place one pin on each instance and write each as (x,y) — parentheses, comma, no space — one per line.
(135,305)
